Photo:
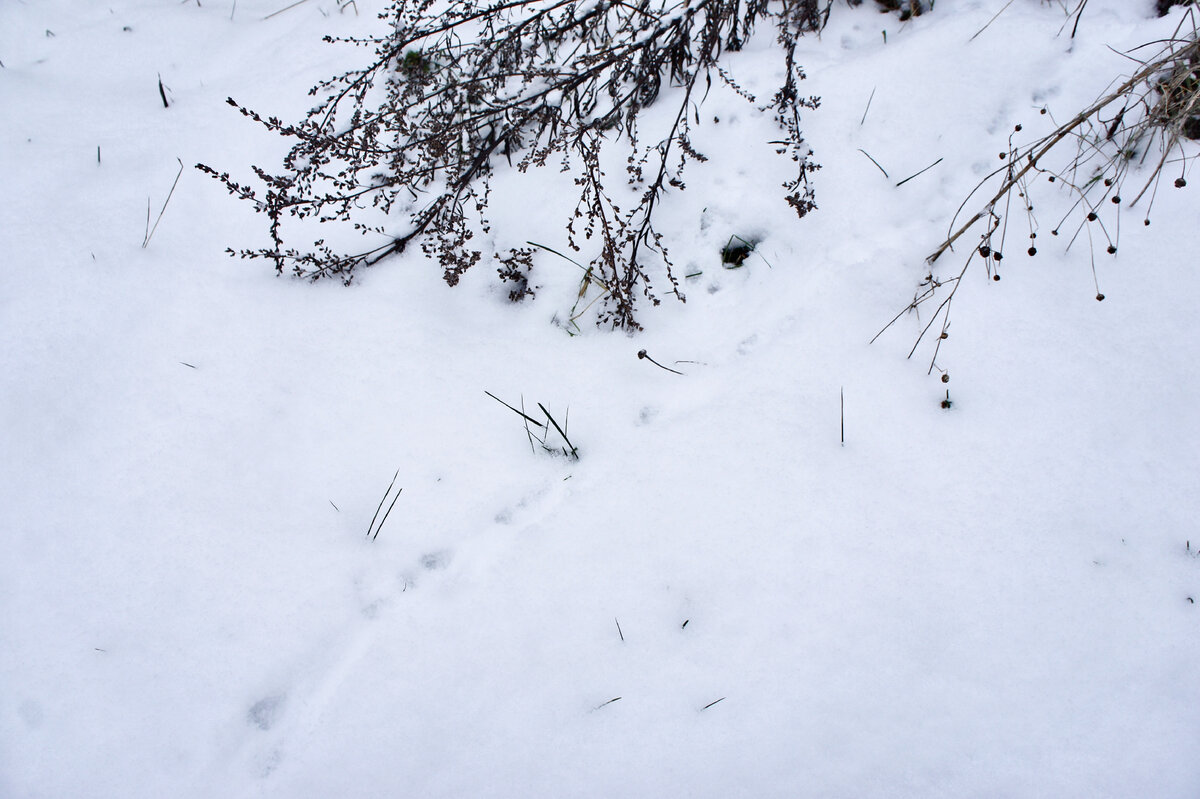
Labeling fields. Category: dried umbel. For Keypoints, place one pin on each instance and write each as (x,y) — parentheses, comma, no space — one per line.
(402,150)
(1138,131)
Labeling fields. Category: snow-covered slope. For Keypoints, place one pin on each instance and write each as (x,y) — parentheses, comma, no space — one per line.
(991,600)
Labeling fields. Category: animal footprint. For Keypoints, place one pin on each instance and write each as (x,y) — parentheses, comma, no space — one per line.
(436,561)
(266,712)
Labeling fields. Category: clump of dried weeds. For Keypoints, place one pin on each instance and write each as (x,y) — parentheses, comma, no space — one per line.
(1139,131)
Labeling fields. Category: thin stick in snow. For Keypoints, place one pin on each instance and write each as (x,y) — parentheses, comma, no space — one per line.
(150,231)
(923,171)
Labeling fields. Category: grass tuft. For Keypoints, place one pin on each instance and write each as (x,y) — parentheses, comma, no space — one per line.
(372,526)
(566,448)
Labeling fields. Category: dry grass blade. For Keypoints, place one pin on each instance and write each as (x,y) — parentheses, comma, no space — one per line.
(285,8)
(990,21)
(528,419)
(865,110)
(574,453)
(915,174)
(876,163)
(387,513)
(150,230)
(383,499)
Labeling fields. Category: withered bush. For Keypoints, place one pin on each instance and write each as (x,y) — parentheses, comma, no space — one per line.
(452,92)
(1106,159)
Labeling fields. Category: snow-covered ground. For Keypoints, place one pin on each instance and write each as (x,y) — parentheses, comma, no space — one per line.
(995,600)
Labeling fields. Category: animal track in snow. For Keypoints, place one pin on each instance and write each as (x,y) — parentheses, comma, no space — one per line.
(436,561)
(267,711)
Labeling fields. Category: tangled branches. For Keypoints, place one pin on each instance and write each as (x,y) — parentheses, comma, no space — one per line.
(1146,121)
(450,91)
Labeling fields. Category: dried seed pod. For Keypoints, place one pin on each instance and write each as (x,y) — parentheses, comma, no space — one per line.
(1180,183)
(1033,250)
(1112,249)
(946,377)
(985,250)
(1099,298)
(1091,217)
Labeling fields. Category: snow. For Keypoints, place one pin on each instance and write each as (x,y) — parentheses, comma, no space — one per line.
(990,600)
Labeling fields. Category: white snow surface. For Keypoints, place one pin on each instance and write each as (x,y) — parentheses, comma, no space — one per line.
(995,600)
